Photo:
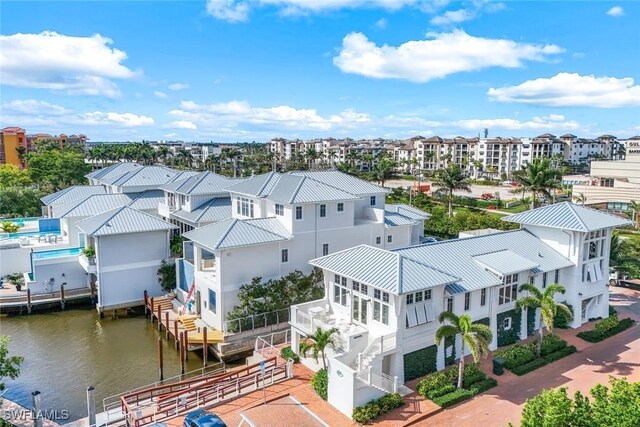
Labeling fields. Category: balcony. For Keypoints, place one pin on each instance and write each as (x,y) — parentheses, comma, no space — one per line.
(309,316)
(87,263)
(166,209)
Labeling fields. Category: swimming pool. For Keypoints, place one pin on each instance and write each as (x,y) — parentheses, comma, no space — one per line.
(21,221)
(57,253)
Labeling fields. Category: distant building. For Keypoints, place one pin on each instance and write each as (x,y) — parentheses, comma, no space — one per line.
(12,138)
(62,140)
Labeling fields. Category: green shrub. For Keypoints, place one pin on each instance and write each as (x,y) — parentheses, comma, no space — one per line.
(286,353)
(605,325)
(320,383)
(612,311)
(561,321)
(516,355)
(482,386)
(595,336)
(550,344)
(452,398)
(557,355)
(529,366)
(441,391)
(471,379)
(420,362)
(372,410)
(432,382)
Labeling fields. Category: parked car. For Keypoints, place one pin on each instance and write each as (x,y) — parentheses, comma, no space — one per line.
(201,418)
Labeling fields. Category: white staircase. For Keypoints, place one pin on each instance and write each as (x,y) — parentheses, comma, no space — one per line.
(362,364)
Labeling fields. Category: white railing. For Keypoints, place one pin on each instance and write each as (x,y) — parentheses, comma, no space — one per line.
(269,342)
(379,345)
(255,321)
(379,380)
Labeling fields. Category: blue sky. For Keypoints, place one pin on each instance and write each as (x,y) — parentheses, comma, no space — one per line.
(227,70)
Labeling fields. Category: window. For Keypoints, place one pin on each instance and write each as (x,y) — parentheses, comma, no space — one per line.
(323,211)
(238,205)
(389,238)
(212,300)
(544,280)
(506,323)
(285,255)
(450,304)
(325,249)
(344,282)
(340,207)
(279,210)
(418,296)
(532,280)
(364,289)
(507,294)
(340,295)
(372,201)
(557,276)
(409,299)
(298,212)
(467,301)
(378,240)
(483,297)
(385,314)
(376,293)
(356,286)
(427,294)
(385,297)
(245,207)
(380,310)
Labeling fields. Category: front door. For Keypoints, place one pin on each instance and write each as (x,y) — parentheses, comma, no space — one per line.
(360,309)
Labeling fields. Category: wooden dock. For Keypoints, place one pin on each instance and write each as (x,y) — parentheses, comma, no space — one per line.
(27,303)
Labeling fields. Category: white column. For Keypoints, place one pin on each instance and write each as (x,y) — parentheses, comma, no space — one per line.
(440,357)
(523,324)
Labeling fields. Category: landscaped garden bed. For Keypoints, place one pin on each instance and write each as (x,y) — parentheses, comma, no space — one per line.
(376,408)
(606,328)
(440,386)
(521,358)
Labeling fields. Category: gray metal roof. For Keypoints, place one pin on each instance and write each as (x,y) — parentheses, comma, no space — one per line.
(407,210)
(505,262)
(234,232)
(457,256)
(95,204)
(392,219)
(338,179)
(202,183)
(112,171)
(383,269)
(454,289)
(72,193)
(568,216)
(122,220)
(257,186)
(148,200)
(143,177)
(213,211)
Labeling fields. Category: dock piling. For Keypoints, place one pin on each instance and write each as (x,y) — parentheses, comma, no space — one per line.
(186,345)
(175,334)
(91,406)
(29,301)
(151,306)
(159,318)
(160,365)
(62,296)
(146,301)
(166,325)
(182,352)
(35,409)
(205,347)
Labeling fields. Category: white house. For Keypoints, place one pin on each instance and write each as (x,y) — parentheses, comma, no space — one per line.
(385,303)
(281,221)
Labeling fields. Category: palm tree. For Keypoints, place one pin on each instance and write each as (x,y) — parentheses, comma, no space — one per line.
(184,157)
(451,179)
(581,198)
(317,343)
(477,166)
(383,169)
(623,256)
(163,153)
(545,301)
(22,155)
(633,208)
(475,336)
(539,178)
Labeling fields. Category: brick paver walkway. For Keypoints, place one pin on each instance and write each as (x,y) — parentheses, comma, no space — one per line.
(618,356)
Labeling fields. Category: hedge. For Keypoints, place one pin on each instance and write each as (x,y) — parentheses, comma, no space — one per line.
(420,362)
(452,398)
(538,363)
(601,333)
(557,355)
(372,410)
(561,321)
(446,389)
(512,335)
(516,355)
(286,353)
(320,383)
(482,386)
(432,382)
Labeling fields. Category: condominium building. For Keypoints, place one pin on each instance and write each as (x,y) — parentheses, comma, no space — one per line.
(11,139)
(384,303)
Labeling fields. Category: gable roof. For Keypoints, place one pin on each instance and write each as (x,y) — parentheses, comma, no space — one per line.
(72,193)
(122,220)
(338,179)
(568,216)
(407,210)
(112,171)
(148,200)
(95,204)
(257,186)
(201,183)
(143,176)
(234,233)
(392,219)
(383,269)
(505,262)
(214,210)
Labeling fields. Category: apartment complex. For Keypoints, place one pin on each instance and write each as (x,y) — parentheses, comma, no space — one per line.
(12,138)
(385,303)
(476,156)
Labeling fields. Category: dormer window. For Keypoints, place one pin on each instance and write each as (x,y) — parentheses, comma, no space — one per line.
(245,207)
(279,210)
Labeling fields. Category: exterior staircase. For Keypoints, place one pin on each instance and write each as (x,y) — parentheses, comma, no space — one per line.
(362,364)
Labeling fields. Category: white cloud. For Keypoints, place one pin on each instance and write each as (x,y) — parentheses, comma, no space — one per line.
(181,124)
(97,118)
(159,94)
(438,56)
(73,64)
(381,24)
(32,107)
(615,11)
(178,86)
(572,90)
(228,10)
(473,11)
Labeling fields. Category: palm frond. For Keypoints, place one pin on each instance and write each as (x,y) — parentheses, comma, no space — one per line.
(451,317)
(528,302)
(554,288)
(445,331)
(528,287)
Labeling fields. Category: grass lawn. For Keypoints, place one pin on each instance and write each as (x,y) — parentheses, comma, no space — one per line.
(517,209)
(474,210)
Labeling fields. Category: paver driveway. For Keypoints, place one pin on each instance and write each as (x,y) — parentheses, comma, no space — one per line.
(618,356)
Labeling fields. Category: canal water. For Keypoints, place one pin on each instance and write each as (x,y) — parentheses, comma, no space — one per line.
(67,351)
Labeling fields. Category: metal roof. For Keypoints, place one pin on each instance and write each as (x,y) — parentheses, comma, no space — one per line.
(338,179)
(457,256)
(148,200)
(407,210)
(568,216)
(392,219)
(234,232)
(72,193)
(201,183)
(95,204)
(143,177)
(454,289)
(213,211)
(122,220)
(112,171)
(505,262)
(383,269)
(257,186)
